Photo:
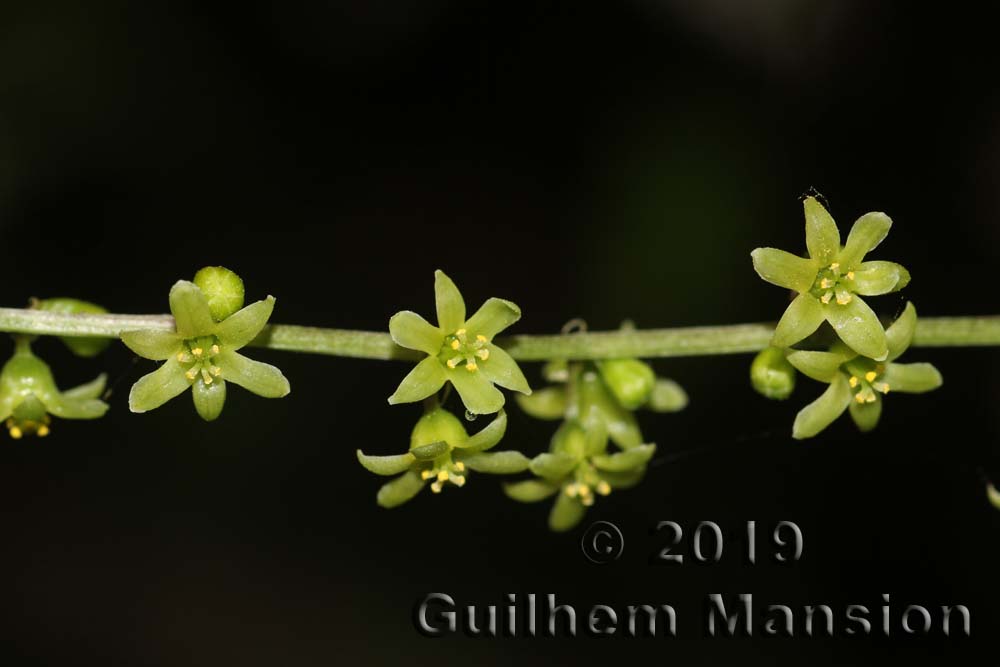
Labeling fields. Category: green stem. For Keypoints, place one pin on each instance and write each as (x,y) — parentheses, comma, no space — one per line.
(648,343)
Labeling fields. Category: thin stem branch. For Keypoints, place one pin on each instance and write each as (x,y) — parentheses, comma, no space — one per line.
(648,343)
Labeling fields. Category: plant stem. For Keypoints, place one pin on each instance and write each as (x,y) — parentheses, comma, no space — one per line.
(648,343)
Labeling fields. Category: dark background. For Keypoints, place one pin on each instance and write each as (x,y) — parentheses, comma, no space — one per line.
(604,161)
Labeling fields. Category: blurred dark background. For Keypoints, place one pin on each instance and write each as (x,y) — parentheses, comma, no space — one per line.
(603,161)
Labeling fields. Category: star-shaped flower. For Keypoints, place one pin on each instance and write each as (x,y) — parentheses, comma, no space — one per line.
(201,355)
(28,395)
(578,467)
(861,382)
(459,350)
(441,450)
(831,281)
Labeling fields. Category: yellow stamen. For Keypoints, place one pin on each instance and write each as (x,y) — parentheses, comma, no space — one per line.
(197,351)
(43,431)
(603,488)
(571,490)
(214,349)
(850,275)
(870,376)
(826,283)
(483,354)
(454,362)
(587,500)
(481,338)
(436,487)
(871,398)
(206,378)
(426,474)
(859,398)
(460,332)
(853,381)
(471,366)
(216,371)
(826,298)
(15,433)
(882,387)
(191,374)
(843,298)
(442,476)
(458,480)
(835,266)
(183,357)
(455,344)
(460,466)
(585,490)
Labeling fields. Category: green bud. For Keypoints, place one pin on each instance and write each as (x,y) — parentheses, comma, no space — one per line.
(438,426)
(630,380)
(78,345)
(771,375)
(222,288)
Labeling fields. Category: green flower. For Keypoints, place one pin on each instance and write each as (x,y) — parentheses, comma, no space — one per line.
(832,279)
(607,392)
(459,350)
(28,395)
(861,382)
(441,450)
(202,355)
(578,467)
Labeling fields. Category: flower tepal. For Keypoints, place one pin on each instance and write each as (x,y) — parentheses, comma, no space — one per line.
(459,350)
(201,354)
(832,280)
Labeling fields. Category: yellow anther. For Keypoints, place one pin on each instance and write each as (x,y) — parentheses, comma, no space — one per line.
(197,351)
(826,297)
(460,466)
(191,374)
(853,381)
(183,357)
(460,332)
(426,474)
(43,431)
(436,487)
(214,349)
(585,490)
(882,387)
(471,366)
(870,376)
(206,378)
(483,354)
(871,398)
(458,480)
(843,298)
(826,283)
(216,371)
(454,362)
(850,275)
(587,500)
(481,338)
(442,476)
(835,266)
(571,490)
(603,488)
(15,433)
(859,397)
(455,344)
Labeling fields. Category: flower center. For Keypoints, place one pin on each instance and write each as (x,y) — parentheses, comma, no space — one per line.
(831,284)
(443,470)
(199,358)
(460,348)
(865,380)
(586,483)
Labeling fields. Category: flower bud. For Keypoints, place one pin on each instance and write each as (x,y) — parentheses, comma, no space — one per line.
(771,375)
(630,380)
(81,346)
(438,426)
(222,288)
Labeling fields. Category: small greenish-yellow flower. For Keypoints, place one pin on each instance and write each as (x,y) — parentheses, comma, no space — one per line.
(442,452)
(831,281)
(578,468)
(28,395)
(459,350)
(201,355)
(858,382)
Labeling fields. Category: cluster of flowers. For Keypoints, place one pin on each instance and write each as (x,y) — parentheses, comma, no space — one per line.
(829,334)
